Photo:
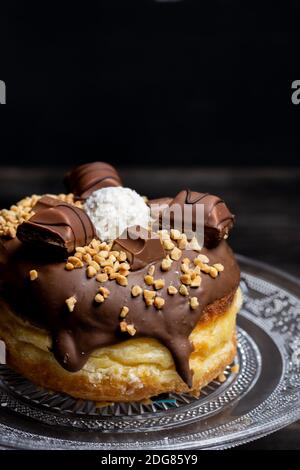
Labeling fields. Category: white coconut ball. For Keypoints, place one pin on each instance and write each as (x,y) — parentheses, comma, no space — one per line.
(114,209)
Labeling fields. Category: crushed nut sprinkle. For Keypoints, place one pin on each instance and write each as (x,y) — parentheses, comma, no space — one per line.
(151,270)
(136,291)
(124,311)
(172,290)
(194,303)
(176,254)
(166,264)
(203,258)
(69,267)
(159,302)
(213,272)
(183,290)
(104,291)
(99,298)
(121,280)
(33,274)
(102,277)
(159,284)
(124,327)
(219,267)
(196,281)
(185,279)
(175,234)
(149,296)
(91,272)
(185,268)
(71,302)
(168,244)
(148,280)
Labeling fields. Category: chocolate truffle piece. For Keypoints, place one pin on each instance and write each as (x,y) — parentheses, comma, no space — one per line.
(141,246)
(218,220)
(62,227)
(85,179)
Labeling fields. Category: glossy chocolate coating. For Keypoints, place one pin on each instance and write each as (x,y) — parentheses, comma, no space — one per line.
(77,334)
(61,227)
(142,247)
(218,220)
(85,179)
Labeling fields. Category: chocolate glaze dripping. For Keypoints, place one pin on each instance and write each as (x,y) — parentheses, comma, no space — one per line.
(76,335)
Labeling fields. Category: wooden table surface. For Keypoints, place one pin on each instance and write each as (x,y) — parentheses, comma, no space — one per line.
(266,202)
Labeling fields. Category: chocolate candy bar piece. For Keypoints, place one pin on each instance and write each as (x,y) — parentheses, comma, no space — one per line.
(45,202)
(62,227)
(218,220)
(157,205)
(85,179)
(141,246)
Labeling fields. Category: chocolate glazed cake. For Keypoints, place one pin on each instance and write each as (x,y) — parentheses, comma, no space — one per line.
(116,319)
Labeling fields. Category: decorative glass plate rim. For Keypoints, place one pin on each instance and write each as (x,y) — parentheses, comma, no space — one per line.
(285,398)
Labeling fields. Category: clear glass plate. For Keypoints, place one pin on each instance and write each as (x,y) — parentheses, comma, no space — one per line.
(263,396)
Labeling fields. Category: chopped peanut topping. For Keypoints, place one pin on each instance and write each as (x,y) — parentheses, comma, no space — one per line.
(33,274)
(172,290)
(124,327)
(91,271)
(222,378)
(102,277)
(124,267)
(122,256)
(185,268)
(136,290)
(104,291)
(99,298)
(186,261)
(71,302)
(124,311)
(194,303)
(213,272)
(69,267)
(196,282)
(168,245)
(121,280)
(185,279)
(166,264)
(159,284)
(183,290)
(176,254)
(182,242)
(94,265)
(149,296)
(131,330)
(203,258)
(219,267)
(148,280)
(175,234)
(159,302)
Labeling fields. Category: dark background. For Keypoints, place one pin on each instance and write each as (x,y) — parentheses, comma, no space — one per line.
(186,82)
(176,94)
